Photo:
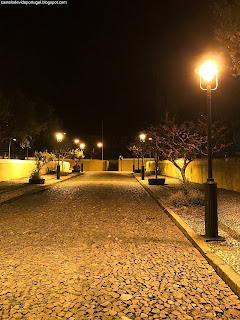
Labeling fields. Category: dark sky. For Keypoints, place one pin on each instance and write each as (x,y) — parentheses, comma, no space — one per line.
(122,61)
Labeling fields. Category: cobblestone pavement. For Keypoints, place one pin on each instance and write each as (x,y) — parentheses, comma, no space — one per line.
(18,187)
(228,218)
(98,247)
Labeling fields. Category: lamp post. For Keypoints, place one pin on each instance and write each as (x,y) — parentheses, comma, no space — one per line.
(59,140)
(209,72)
(77,141)
(100,145)
(150,153)
(134,150)
(142,140)
(82,147)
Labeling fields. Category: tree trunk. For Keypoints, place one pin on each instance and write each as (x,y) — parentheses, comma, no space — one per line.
(182,170)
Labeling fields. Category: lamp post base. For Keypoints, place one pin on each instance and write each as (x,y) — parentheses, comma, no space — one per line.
(81,167)
(211,215)
(218,238)
(143,173)
(58,171)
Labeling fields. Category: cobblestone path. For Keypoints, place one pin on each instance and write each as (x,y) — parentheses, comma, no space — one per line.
(98,247)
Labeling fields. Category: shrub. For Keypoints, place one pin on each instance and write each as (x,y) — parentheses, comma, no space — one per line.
(187,196)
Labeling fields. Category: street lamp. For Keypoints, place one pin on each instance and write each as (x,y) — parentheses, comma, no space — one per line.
(82,147)
(150,153)
(59,137)
(100,145)
(134,150)
(142,140)
(208,73)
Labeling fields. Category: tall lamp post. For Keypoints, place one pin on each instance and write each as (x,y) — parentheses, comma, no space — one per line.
(134,150)
(100,145)
(77,141)
(59,140)
(82,147)
(142,140)
(208,74)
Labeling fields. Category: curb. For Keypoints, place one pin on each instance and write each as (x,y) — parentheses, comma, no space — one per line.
(225,271)
(38,188)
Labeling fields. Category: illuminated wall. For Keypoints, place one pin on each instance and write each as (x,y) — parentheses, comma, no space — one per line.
(226,172)
(13,169)
(127,164)
(92,164)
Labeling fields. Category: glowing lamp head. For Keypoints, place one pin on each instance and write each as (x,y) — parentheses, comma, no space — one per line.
(142,137)
(99,145)
(208,70)
(59,137)
(82,146)
(76,141)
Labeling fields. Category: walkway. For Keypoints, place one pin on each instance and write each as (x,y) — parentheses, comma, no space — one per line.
(98,247)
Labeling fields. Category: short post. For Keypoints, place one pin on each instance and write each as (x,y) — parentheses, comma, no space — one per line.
(156,164)
(81,165)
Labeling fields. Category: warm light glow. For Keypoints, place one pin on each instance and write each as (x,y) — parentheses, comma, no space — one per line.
(82,146)
(59,137)
(142,137)
(99,144)
(150,139)
(76,140)
(208,70)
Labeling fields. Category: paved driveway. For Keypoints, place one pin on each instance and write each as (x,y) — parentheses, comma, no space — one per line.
(98,247)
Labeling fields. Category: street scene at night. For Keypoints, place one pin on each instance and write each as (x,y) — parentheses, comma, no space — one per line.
(119,160)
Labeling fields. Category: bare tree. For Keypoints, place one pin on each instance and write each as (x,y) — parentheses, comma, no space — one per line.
(187,140)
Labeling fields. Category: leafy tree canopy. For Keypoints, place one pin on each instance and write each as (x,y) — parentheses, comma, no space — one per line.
(227,31)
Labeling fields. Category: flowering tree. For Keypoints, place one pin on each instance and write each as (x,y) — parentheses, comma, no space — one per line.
(76,155)
(186,140)
(41,158)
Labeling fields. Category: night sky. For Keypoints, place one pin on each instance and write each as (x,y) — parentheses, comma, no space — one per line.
(123,62)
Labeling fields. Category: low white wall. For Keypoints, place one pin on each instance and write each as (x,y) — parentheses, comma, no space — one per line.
(226,171)
(127,164)
(92,164)
(14,169)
